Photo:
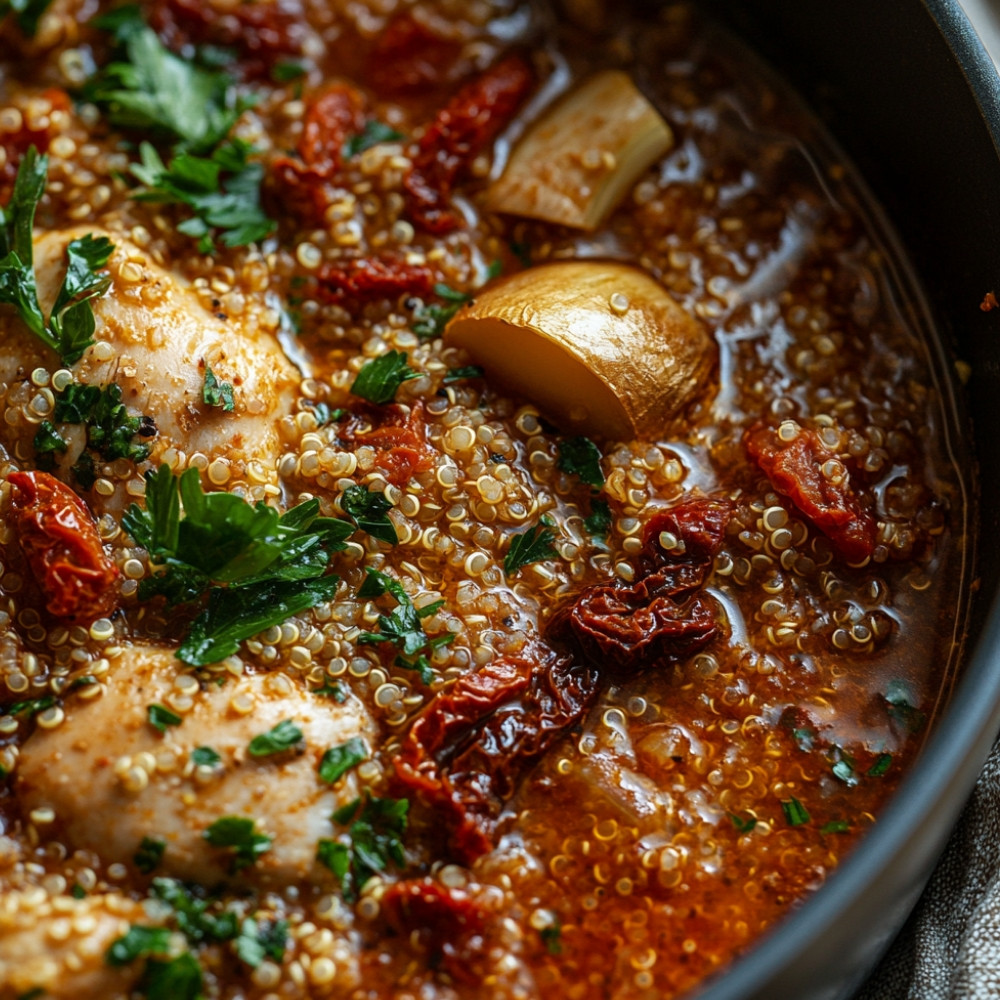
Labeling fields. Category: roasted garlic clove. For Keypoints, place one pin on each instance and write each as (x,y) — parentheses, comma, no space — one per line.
(600,347)
(578,161)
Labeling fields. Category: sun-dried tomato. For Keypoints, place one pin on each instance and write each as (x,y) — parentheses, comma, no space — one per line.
(466,751)
(795,469)
(398,435)
(16,144)
(374,279)
(262,33)
(660,617)
(59,538)
(409,58)
(446,924)
(462,130)
(332,117)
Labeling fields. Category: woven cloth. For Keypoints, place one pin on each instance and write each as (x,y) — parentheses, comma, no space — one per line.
(950,947)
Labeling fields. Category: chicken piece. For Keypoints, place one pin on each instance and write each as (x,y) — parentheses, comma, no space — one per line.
(112,779)
(154,338)
(56,944)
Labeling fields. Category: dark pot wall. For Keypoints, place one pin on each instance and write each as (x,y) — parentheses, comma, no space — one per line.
(908,91)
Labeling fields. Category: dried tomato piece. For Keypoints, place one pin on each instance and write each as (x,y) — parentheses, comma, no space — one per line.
(466,751)
(447,924)
(373,279)
(661,616)
(59,538)
(333,116)
(16,144)
(409,58)
(261,32)
(398,435)
(460,132)
(795,469)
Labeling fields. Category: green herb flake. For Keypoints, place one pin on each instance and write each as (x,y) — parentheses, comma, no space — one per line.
(149,855)
(370,512)
(48,440)
(31,706)
(177,979)
(430,320)
(216,393)
(532,545)
(598,522)
(379,378)
(335,691)
(552,938)
(836,826)
(795,812)
(743,824)
(402,627)
(287,71)
(579,456)
(238,834)
(373,133)
(191,912)
(460,374)
(338,760)
(205,757)
(27,14)
(258,940)
(78,891)
(325,415)
(881,765)
(284,736)
(160,717)
(902,707)
(137,942)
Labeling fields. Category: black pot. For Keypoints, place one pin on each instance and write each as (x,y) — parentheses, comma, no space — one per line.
(907,89)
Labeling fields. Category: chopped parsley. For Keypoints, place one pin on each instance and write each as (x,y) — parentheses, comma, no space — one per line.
(579,456)
(324,415)
(795,812)
(284,736)
(287,71)
(216,393)
(178,979)
(149,855)
(335,691)
(882,764)
(258,940)
(205,757)
(598,522)
(137,942)
(529,546)
(69,330)
(836,826)
(238,835)
(31,706)
(373,133)
(379,378)
(376,830)
(27,13)
(258,567)
(338,760)
(191,912)
(369,511)
(902,707)
(552,938)
(844,766)
(743,824)
(48,441)
(459,374)
(429,321)
(161,717)
(78,891)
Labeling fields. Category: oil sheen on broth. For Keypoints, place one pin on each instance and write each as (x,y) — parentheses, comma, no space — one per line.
(627,645)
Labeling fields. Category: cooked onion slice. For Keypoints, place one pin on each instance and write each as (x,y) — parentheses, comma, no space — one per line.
(582,157)
(600,347)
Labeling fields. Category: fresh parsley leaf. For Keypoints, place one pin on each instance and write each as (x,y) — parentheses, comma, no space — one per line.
(257,941)
(373,133)
(836,826)
(902,707)
(743,824)
(78,891)
(882,764)
(598,522)
(216,393)
(552,938)
(205,757)
(529,546)
(379,378)
(286,71)
(149,855)
(795,812)
(338,760)
(402,627)
(238,834)
(843,766)
(458,374)
(161,717)
(27,13)
(420,664)
(72,321)
(369,511)
(48,440)
(31,706)
(278,739)
(430,320)
(137,942)
(334,691)
(324,415)
(579,456)
(375,832)
(178,979)
(191,912)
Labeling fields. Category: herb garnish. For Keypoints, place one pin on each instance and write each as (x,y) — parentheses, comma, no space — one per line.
(335,691)
(882,764)
(529,546)
(579,456)
(160,717)
(137,942)
(27,13)
(369,511)
(69,330)
(743,824)
(338,760)
(259,940)
(259,568)
(379,378)
(31,706)
(552,938)
(284,736)
(429,321)
(375,840)
(373,133)
(458,374)
(836,826)
(149,855)
(216,393)
(324,415)
(287,71)
(178,979)
(238,834)
(598,522)
(205,757)
(902,707)
(795,812)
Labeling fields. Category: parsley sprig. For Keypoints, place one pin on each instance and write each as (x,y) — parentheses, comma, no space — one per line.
(379,378)
(69,330)
(284,736)
(257,567)
(238,835)
(529,546)
(579,456)
(429,320)
(216,393)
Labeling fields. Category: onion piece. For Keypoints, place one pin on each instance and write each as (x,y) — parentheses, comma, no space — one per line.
(578,161)
(600,347)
